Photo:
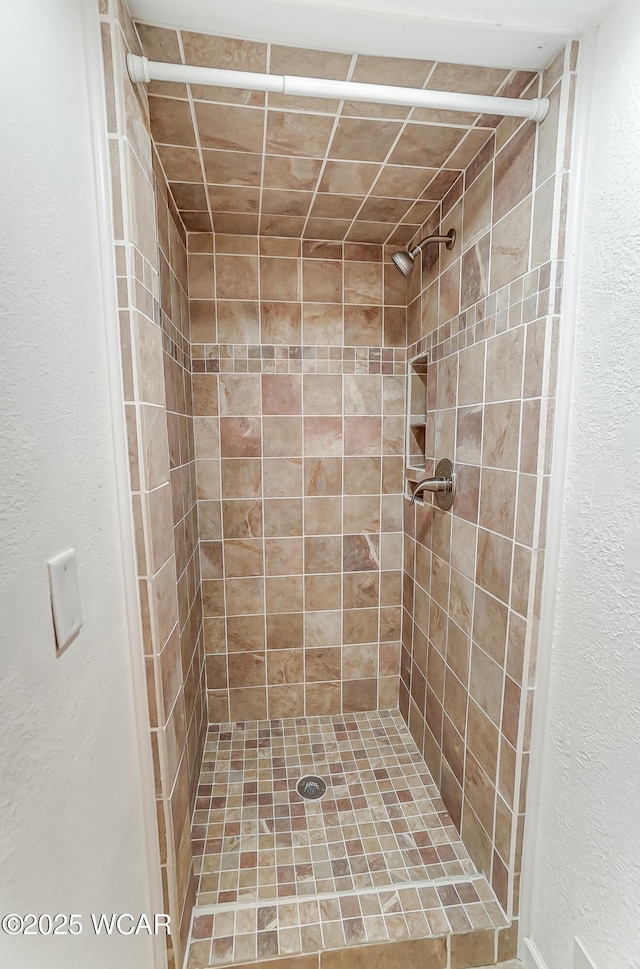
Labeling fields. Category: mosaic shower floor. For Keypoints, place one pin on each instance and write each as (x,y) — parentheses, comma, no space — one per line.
(377,859)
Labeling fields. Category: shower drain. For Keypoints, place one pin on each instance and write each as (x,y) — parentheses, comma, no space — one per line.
(311,787)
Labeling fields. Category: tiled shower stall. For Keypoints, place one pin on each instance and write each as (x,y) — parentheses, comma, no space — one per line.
(299,615)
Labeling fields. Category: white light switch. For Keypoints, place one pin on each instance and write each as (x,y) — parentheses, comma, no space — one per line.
(65,597)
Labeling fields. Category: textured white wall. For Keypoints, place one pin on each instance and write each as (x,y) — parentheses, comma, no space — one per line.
(587,869)
(71,832)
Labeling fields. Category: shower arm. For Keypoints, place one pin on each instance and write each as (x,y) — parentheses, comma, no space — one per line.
(142,70)
(448,240)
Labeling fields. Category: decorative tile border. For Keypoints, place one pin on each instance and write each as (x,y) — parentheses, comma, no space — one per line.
(279,358)
(528,298)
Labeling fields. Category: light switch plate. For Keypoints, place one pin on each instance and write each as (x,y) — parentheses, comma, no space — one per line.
(65,597)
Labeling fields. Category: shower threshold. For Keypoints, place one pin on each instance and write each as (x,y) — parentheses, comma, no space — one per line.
(375,859)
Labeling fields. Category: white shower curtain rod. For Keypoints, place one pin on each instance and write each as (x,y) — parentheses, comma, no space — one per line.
(142,70)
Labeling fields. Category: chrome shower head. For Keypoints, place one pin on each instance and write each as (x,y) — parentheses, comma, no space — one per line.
(405,261)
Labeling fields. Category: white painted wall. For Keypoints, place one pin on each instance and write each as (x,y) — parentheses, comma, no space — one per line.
(587,844)
(72,838)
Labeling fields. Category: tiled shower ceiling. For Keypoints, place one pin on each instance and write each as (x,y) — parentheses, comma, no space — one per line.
(248,162)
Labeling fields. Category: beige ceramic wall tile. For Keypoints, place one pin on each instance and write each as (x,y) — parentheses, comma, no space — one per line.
(462,600)
(162,387)
(455,692)
(282,437)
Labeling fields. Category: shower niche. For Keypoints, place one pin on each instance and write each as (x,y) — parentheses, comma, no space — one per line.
(418,443)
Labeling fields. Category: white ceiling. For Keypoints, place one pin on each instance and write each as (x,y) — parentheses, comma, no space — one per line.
(524,34)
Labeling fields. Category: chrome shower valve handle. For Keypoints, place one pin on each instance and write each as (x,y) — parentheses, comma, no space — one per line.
(443,485)
(431,484)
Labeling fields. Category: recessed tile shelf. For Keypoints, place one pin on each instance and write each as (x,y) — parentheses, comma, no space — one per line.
(415,463)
